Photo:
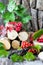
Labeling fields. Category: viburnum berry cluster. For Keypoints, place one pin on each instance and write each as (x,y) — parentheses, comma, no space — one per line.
(2,30)
(40,39)
(26,44)
(14,26)
(1,27)
(34,51)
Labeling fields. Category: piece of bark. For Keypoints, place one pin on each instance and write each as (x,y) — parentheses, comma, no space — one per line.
(15,44)
(23,36)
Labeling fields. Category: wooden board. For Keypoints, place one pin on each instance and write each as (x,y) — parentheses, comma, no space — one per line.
(38,4)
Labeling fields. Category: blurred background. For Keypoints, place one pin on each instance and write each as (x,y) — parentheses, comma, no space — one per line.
(35,9)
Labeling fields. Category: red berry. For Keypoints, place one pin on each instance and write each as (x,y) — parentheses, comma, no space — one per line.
(40,39)
(29,44)
(18,29)
(0,33)
(19,24)
(13,23)
(16,26)
(32,50)
(1,27)
(23,44)
(10,23)
(31,39)
(32,45)
(9,28)
(26,44)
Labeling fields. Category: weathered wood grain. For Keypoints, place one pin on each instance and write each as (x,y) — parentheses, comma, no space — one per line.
(40,19)
(38,4)
(34,19)
(32,3)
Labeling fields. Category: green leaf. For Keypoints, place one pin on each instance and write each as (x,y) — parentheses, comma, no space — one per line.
(18,13)
(19,48)
(29,56)
(20,10)
(38,47)
(16,58)
(23,16)
(2,7)
(6,21)
(7,16)
(3,53)
(16,7)
(12,17)
(1,44)
(11,5)
(37,34)
(26,19)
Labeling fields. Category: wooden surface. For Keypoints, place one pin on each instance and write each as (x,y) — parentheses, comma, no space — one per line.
(37,5)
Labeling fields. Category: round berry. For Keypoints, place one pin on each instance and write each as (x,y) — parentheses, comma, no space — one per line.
(19,24)
(13,23)
(9,28)
(18,29)
(32,50)
(1,27)
(40,39)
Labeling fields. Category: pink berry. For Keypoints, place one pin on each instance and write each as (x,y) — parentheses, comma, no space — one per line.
(40,39)
(1,27)
(19,24)
(34,51)
(10,28)
(9,22)
(26,44)
(18,29)
(13,23)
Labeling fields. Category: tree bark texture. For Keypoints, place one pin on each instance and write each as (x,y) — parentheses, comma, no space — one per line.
(36,7)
